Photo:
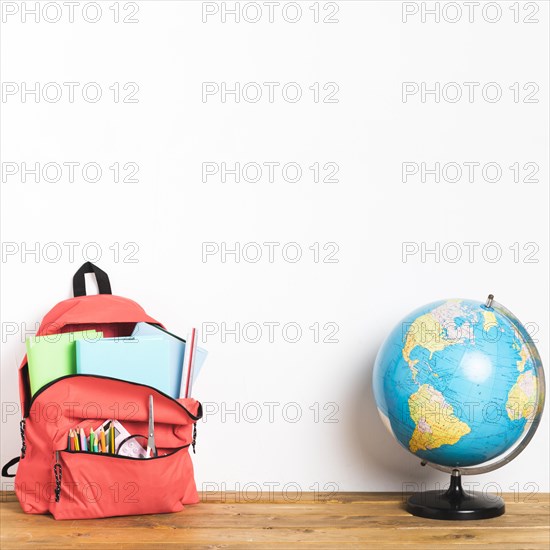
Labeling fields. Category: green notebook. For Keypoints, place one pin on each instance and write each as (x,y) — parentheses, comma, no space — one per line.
(54,355)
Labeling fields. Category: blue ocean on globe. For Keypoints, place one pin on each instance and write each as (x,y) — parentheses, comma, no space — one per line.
(456,382)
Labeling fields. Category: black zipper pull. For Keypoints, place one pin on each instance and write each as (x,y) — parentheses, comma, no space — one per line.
(194,442)
(22,432)
(57,473)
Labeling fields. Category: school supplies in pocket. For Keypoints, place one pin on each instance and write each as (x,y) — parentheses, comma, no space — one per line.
(111,438)
(64,450)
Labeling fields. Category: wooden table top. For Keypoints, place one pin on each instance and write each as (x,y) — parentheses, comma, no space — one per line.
(347,520)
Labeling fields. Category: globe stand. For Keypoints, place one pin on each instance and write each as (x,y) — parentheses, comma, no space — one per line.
(455,503)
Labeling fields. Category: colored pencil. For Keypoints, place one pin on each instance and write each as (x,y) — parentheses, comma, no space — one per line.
(102,439)
(83,443)
(112,438)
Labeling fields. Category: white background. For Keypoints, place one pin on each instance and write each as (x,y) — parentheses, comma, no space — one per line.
(369,212)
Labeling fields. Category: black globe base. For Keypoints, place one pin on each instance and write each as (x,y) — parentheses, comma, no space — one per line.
(455,503)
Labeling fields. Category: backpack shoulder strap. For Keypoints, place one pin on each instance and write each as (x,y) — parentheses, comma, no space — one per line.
(8,465)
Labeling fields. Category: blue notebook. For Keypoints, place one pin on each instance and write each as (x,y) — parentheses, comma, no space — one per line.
(177,352)
(145,360)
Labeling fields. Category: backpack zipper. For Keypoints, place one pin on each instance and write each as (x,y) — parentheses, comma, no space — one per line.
(191,415)
(110,455)
(57,472)
(22,432)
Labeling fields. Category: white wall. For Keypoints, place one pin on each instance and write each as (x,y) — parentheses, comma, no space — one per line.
(369,212)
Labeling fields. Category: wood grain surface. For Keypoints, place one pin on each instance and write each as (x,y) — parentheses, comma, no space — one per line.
(344,520)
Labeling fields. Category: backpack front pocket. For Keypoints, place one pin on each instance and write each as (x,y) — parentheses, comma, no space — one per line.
(92,485)
(102,484)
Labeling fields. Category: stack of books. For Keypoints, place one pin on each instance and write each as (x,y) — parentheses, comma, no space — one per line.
(150,356)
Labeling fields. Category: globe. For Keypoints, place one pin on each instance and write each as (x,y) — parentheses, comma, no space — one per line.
(460,383)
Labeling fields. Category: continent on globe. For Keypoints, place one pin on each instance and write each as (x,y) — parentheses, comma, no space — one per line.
(489,320)
(523,354)
(436,330)
(435,421)
(522,396)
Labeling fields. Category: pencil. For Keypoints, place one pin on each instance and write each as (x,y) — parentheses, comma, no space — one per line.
(102,439)
(112,438)
(83,444)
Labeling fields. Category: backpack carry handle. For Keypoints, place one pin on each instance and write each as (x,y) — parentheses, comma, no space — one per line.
(79,283)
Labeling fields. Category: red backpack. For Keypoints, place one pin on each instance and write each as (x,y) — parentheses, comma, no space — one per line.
(70,484)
